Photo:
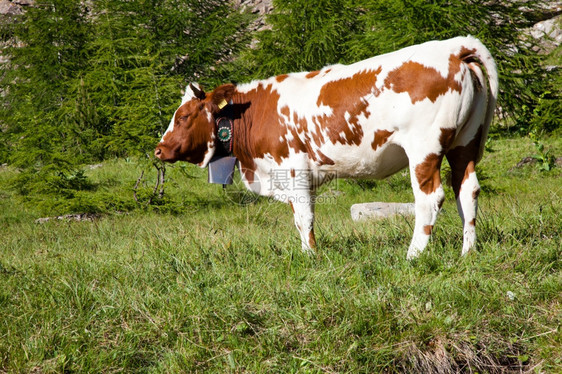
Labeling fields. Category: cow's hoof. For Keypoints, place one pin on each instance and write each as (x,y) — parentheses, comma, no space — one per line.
(413,253)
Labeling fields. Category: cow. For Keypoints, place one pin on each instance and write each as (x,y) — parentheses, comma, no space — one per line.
(369,119)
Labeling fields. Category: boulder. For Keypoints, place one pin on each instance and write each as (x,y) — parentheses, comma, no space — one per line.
(8,8)
(378,210)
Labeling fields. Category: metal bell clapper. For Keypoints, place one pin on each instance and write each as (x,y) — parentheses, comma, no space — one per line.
(221,170)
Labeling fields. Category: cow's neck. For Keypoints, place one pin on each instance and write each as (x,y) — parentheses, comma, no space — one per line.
(248,109)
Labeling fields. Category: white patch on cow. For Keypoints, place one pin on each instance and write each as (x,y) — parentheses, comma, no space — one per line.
(209,153)
(170,126)
(467,207)
(247,87)
(289,137)
(426,207)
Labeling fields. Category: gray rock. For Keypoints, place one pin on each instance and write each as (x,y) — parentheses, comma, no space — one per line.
(71,217)
(548,33)
(379,210)
(8,8)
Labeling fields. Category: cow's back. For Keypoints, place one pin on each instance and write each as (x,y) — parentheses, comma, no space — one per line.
(365,119)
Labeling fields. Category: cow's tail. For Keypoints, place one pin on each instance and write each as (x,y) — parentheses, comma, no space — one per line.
(477,53)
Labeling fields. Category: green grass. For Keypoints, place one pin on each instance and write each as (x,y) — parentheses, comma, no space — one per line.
(199,284)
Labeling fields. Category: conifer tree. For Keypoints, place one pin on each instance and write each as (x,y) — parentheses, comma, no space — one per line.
(171,44)
(308,36)
(91,80)
(304,36)
(44,57)
(87,80)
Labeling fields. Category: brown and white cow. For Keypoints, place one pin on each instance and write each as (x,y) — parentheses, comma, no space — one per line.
(365,120)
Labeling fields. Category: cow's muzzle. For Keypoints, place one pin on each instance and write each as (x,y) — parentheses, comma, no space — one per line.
(165,154)
(158,152)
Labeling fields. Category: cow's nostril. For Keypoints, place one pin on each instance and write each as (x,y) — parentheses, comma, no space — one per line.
(157,152)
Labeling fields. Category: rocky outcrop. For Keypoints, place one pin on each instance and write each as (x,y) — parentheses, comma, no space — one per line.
(13,8)
(548,33)
(259,7)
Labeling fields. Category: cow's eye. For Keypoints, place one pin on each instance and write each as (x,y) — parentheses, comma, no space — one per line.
(183,118)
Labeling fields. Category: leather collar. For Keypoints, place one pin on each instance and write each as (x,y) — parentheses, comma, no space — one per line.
(224,129)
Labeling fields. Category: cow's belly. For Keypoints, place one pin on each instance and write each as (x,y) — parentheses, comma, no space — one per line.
(355,162)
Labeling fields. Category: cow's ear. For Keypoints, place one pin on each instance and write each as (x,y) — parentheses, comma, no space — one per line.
(221,96)
(195,90)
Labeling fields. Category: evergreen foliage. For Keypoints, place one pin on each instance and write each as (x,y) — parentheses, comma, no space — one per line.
(305,36)
(90,80)
(87,81)
(48,50)
(346,31)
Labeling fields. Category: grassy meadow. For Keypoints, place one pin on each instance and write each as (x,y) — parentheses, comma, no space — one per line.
(201,284)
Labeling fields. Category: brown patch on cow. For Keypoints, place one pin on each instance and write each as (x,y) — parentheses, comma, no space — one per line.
(472,222)
(327,71)
(347,96)
(306,146)
(293,173)
(423,82)
(419,81)
(248,172)
(317,135)
(302,127)
(470,168)
(258,129)
(292,207)
(463,161)
(427,229)
(324,160)
(312,74)
(446,138)
(475,194)
(281,78)
(267,128)
(381,137)
(297,144)
(466,55)
(312,239)
(428,173)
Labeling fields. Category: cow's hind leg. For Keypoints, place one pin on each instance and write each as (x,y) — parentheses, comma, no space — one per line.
(465,185)
(429,196)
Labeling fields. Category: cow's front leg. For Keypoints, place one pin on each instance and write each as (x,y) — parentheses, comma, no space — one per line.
(303,211)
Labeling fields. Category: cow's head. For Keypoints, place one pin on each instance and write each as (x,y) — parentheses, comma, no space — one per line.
(191,133)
